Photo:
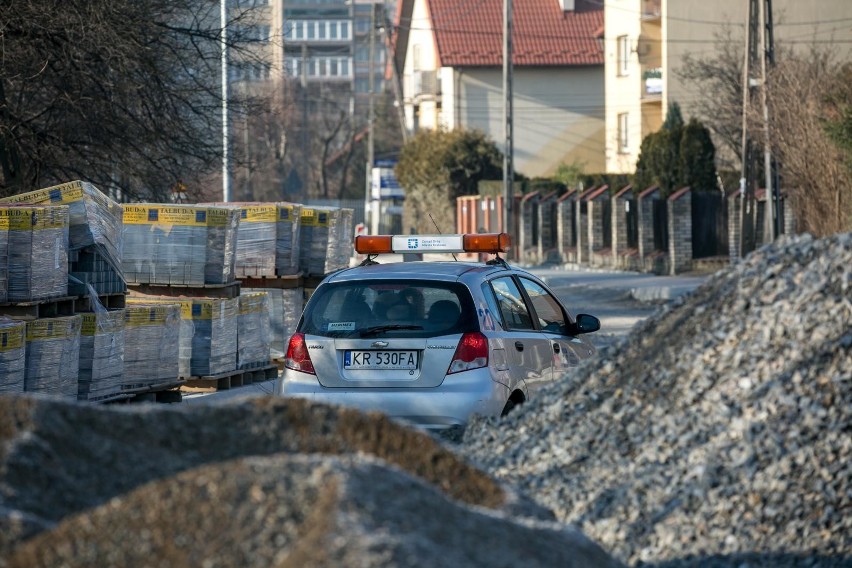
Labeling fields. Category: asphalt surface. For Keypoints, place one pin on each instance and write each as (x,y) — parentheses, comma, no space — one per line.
(619,299)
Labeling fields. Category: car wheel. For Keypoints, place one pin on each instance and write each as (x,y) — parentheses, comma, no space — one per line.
(510,405)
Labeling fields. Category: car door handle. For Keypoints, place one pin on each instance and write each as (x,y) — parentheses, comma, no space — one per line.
(556,348)
(519,346)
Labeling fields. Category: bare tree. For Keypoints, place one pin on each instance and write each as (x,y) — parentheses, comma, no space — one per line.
(813,166)
(122,93)
(813,173)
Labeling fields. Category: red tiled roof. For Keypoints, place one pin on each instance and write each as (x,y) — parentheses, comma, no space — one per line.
(470,33)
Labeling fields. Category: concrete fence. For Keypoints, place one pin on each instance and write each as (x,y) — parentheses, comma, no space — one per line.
(622,229)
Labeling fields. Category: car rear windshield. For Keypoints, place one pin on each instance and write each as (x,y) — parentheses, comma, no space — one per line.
(389,308)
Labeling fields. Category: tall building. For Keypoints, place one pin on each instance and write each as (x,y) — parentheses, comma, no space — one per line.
(313,57)
(648,44)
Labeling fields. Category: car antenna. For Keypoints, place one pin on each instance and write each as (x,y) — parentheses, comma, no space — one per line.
(440,233)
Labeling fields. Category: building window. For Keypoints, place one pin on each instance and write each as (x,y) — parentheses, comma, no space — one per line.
(623,134)
(415,58)
(623,55)
(344,30)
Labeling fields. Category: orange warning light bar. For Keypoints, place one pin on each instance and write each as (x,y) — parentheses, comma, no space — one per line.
(373,244)
(492,243)
(487,242)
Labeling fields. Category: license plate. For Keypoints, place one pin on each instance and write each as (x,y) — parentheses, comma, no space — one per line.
(380,360)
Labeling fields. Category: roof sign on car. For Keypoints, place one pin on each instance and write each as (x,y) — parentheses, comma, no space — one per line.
(475,242)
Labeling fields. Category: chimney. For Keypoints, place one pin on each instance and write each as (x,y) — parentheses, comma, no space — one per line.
(566,5)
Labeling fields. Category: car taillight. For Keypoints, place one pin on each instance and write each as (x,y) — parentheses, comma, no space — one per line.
(471,353)
(297,357)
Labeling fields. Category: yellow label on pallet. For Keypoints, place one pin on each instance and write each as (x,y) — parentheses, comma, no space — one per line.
(33,218)
(252,303)
(53,328)
(94,323)
(287,213)
(12,338)
(58,194)
(314,218)
(258,214)
(139,316)
(184,216)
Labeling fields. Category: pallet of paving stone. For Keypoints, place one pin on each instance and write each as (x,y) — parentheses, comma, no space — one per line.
(53,356)
(95,236)
(36,257)
(208,333)
(12,356)
(102,349)
(169,244)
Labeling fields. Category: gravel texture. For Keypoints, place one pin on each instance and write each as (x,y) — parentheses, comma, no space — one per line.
(717,434)
(254,482)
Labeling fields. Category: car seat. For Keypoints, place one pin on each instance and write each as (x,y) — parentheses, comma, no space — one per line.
(443,313)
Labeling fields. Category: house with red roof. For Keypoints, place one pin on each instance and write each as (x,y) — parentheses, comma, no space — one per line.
(449,56)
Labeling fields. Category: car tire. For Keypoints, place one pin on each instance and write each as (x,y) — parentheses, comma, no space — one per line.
(510,405)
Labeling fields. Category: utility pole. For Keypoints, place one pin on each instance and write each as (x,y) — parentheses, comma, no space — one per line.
(305,144)
(371,158)
(768,217)
(226,180)
(508,155)
(747,201)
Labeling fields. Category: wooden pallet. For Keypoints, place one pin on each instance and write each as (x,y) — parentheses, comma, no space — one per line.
(36,309)
(140,388)
(282,282)
(229,380)
(109,301)
(228,291)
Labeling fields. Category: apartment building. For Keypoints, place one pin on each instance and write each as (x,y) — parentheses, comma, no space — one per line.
(647,42)
(321,44)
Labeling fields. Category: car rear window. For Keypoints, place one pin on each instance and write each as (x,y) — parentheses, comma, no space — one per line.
(392,308)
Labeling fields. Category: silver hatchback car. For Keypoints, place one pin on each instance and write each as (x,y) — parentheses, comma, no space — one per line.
(432,342)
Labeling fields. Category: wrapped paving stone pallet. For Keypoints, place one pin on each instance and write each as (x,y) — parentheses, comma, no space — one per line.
(12,356)
(53,356)
(37,261)
(321,240)
(95,234)
(288,242)
(102,343)
(285,309)
(267,239)
(151,345)
(187,245)
(256,240)
(208,334)
(253,333)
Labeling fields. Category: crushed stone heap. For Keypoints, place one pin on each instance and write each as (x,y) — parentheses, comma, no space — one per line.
(717,434)
(254,482)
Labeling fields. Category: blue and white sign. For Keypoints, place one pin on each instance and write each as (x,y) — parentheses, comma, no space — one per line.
(427,243)
(384,184)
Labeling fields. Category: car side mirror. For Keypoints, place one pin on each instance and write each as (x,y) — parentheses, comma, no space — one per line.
(585,323)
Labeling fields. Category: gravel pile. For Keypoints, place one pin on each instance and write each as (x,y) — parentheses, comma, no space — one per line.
(717,434)
(254,482)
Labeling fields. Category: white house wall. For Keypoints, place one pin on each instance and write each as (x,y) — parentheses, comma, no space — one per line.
(558,113)
(422,39)
(623,90)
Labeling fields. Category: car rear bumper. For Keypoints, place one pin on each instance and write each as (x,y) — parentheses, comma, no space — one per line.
(437,408)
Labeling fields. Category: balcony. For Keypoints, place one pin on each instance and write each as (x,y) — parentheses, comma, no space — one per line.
(651,10)
(652,84)
(422,84)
